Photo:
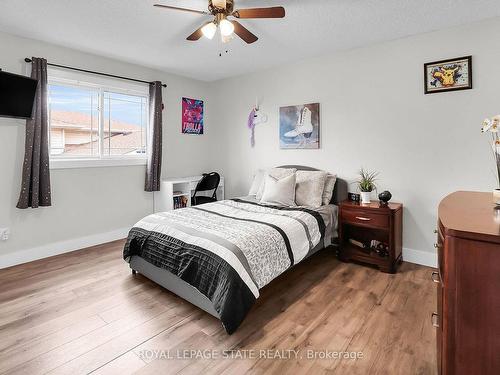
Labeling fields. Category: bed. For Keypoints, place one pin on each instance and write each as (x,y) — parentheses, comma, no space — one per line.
(217,255)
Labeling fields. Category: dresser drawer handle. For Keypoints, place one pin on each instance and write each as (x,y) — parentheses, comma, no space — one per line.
(363,218)
(435,277)
(434,320)
(437,246)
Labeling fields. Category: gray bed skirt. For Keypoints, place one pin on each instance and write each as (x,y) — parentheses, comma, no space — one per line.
(181,288)
(172,283)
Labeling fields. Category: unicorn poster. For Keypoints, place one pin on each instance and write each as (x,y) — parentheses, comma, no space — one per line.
(299,126)
(192,116)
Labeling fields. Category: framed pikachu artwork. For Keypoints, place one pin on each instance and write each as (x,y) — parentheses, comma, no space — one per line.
(448,75)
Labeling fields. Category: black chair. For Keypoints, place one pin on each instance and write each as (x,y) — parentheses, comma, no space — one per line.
(209,181)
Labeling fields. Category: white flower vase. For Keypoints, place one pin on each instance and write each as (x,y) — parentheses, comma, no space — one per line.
(496,197)
(366,197)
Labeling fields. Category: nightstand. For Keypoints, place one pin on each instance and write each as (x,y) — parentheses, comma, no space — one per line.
(371,233)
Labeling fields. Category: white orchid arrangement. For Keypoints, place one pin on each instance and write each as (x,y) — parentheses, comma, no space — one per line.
(492,125)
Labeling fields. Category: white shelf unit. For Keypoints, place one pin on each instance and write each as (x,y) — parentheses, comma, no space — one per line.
(181,194)
(180,187)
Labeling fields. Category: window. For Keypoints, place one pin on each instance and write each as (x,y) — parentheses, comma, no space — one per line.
(96,121)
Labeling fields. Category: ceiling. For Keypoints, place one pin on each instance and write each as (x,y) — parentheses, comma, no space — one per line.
(136,32)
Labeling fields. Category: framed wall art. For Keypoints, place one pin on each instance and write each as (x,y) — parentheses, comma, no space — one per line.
(299,126)
(192,116)
(448,75)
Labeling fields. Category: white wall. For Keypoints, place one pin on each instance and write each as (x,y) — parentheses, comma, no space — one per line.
(374,114)
(91,201)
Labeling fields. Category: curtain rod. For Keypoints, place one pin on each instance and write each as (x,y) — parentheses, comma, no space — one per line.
(28,60)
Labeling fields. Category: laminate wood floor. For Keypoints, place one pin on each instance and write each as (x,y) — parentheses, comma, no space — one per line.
(83,312)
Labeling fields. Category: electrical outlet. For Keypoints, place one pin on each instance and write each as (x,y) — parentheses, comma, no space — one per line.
(4,234)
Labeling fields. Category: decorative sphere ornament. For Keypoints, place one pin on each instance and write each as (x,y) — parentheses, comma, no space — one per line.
(385,197)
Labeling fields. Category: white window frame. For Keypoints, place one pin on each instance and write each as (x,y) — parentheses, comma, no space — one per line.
(102,84)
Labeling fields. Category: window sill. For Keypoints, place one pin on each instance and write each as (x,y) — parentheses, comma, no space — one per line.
(95,163)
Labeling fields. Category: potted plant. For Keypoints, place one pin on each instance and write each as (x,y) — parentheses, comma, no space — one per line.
(366,184)
(492,126)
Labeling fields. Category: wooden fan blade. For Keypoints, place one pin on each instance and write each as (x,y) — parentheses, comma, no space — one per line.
(274,12)
(244,33)
(181,9)
(197,34)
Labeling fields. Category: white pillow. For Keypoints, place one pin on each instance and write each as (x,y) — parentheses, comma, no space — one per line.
(329,186)
(309,188)
(280,192)
(258,180)
(276,173)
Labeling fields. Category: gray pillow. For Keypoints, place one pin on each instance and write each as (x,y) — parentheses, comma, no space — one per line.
(276,173)
(280,192)
(329,186)
(309,188)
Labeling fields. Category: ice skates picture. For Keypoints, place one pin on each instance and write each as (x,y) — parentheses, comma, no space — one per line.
(299,126)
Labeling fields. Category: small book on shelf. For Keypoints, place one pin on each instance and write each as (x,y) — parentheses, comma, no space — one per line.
(180,202)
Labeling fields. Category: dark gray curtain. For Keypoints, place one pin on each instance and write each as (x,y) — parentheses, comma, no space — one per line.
(35,187)
(153,168)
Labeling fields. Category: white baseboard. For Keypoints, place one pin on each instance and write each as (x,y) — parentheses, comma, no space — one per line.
(56,248)
(424,258)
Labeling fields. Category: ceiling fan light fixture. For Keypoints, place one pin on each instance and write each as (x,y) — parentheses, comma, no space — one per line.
(221,4)
(226,39)
(226,27)
(209,30)
(221,10)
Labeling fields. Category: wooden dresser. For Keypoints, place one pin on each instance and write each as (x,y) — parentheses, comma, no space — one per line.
(468,285)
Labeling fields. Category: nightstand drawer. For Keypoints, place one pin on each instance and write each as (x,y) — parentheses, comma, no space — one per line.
(365,218)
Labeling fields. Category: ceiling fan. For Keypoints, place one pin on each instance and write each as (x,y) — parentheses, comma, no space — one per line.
(221,10)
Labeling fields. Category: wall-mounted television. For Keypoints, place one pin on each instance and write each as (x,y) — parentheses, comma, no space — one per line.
(17,94)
